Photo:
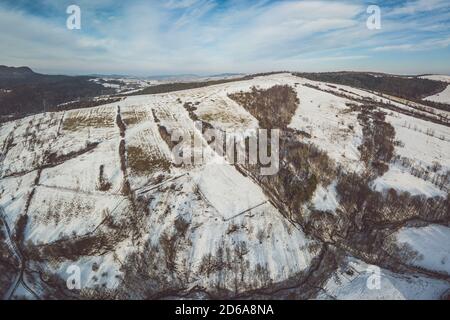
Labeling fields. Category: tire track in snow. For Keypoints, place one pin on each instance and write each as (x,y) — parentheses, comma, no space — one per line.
(16,251)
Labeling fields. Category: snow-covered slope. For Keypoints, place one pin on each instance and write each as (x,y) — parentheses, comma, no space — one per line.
(437,77)
(98,189)
(441,97)
(356,280)
(431,244)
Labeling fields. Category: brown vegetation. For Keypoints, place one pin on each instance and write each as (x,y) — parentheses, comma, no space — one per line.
(76,123)
(171,87)
(377,148)
(130,118)
(413,89)
(104,185)
(120,123)
(141,161)
(273,108)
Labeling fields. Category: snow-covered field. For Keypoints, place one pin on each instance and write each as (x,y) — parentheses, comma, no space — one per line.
(441,97)
(67,173)
(400,179)
(336,131)
(437,77)
(432,245)
(357,280)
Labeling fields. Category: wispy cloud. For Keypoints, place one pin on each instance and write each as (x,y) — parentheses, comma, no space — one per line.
(419,6)
(209,36)
(400,47)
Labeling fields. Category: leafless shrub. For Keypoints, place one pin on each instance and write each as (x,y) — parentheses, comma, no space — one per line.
(262,276)
(273,107)
(104,185)
(377,148)
(166,136)
(169,246)
(181,226)
(155,117)
(261,235)
(232,228)
(120,123)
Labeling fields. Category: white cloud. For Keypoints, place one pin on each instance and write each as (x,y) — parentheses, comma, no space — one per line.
(412,7)
(181,36)
(400,47)
(418,46)
(179,4)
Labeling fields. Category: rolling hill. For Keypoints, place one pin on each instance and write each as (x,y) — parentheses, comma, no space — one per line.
(362,188)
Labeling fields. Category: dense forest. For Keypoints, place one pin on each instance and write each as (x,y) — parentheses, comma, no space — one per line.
(25,92)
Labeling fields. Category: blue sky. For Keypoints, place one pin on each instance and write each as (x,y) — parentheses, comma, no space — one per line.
(151,37)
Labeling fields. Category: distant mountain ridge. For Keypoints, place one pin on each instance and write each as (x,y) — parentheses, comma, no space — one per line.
(27,92)
(15,72)
(167,77)
(14,76)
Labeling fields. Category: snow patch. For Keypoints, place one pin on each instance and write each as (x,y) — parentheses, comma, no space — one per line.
(441,97)
(350,282)
(325,199)
(432,243)
(401,180)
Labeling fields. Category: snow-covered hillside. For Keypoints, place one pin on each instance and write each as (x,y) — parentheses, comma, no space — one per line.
(437,77)
(99,189)
(441,97)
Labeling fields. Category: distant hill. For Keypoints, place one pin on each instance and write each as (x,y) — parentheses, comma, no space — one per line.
(192,77)
(12,76)
(224,75)
(17,73)
(26,92)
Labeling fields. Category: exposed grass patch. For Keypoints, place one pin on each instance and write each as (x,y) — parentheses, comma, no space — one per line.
(67,209)
(120,123)
(131,118)
(73,249)
(223,117)
(141,161)
(76,123)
